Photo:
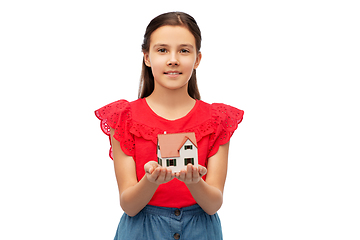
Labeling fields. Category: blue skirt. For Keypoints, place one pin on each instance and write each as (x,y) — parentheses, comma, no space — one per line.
(170,223)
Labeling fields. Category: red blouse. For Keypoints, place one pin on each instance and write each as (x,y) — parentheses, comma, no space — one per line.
(137,126)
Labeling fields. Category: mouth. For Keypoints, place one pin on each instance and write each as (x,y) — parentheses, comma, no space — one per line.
(172,73)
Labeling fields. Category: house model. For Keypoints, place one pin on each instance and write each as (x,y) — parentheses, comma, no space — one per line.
(177,150)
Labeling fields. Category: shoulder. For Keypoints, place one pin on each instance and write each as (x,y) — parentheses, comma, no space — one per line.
(222,111)
(113,107)
(112,114)
(225,120)
(117,115)
(226,112)
(117,107)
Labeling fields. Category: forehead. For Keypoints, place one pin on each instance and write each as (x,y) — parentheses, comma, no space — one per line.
(172,35)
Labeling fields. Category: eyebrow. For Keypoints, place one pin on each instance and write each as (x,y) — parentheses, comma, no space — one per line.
(166,45)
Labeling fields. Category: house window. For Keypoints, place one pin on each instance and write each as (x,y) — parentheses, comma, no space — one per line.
(170,162)
(160,161)
(188,160)
(188,147)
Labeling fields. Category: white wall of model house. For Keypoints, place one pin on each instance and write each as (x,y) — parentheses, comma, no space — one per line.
(187,152)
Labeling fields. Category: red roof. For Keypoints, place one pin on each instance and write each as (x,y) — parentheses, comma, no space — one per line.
(170,144)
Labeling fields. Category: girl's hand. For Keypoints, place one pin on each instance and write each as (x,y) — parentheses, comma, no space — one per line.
(191,174)
(157,174)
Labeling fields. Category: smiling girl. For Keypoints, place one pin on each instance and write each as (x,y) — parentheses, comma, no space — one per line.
(158,203)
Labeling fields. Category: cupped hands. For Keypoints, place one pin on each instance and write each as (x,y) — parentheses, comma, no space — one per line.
(191,174)
(157,174)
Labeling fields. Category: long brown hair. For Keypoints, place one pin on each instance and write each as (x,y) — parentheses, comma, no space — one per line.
(173,19)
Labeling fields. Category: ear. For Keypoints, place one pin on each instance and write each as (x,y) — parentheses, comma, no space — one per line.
(147,59)
(198,59)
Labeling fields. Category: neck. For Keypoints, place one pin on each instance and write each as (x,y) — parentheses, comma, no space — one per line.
(171,98)
(170,104)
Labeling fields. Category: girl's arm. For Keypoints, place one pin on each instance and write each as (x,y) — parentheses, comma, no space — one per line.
(208,194)
(134,195)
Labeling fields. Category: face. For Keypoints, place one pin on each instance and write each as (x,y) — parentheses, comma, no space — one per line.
(172,56)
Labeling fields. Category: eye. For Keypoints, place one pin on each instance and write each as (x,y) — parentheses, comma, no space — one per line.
(184,51)
(162,50)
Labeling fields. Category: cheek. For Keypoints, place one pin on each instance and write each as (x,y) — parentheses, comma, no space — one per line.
(157,66)
(188,65)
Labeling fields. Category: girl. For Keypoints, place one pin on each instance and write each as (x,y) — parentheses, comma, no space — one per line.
(158,203)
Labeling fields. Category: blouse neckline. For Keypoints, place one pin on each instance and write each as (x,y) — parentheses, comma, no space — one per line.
(174,120)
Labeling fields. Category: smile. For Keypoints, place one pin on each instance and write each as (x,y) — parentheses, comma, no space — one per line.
(172,73)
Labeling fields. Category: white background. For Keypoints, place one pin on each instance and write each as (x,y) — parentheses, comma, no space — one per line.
(292,66)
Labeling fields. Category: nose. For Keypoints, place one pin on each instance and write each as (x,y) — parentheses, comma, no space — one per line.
(173,61)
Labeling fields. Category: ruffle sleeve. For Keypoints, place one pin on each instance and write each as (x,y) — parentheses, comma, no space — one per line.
(117,115)
(225,121)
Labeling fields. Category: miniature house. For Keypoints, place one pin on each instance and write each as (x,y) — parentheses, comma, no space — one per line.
(177,150)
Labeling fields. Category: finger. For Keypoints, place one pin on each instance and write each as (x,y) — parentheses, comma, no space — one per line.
(154,164)
(189,171)
(150,164)
(182,175)
(162,174)
(172,174)
(167,175)
(202,171)
(195,173)
(155,174)
(147,168)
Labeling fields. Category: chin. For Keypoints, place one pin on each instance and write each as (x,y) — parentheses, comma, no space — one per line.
(172,87)
(172,84)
